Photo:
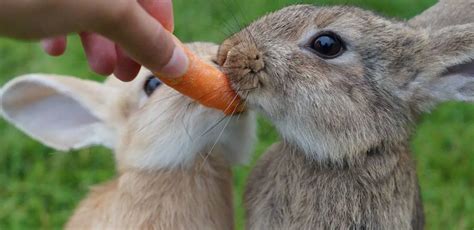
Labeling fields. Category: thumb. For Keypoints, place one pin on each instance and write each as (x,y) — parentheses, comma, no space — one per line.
(145,40)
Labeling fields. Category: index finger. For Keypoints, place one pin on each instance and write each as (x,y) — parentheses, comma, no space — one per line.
(161,10)
(146,41)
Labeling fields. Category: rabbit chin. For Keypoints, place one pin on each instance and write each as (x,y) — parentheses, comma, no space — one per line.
(308,136)
(197,135)
(315,144)
(320,146)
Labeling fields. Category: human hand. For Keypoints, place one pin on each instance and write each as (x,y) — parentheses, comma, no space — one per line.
(111,32)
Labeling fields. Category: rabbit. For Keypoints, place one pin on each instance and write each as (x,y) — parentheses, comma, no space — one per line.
(446,13)
(344,88)
(173,156)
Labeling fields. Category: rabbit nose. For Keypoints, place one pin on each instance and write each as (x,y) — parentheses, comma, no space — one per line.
(246,58)
(256,63)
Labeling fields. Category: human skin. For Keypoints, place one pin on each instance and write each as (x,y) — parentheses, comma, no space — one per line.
(116,34)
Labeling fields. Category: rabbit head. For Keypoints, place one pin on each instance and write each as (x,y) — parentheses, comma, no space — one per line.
(338,82)
(148,124)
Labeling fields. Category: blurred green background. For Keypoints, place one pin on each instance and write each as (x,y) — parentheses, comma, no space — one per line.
(40,187)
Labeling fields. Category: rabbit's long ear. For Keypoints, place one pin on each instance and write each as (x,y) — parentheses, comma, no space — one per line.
(447,72)
(62,112)
(445,13)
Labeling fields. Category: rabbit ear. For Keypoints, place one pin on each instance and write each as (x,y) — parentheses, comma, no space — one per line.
(445,13)
(61,112)
(448,72)
(456,84)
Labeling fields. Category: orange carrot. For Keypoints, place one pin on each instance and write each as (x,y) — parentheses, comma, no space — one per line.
(207,85)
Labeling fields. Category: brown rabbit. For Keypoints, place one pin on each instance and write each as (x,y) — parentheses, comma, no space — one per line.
(344,87)
(162,141)
(446,13)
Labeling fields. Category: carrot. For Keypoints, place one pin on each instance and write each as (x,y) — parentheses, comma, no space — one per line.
(207,85)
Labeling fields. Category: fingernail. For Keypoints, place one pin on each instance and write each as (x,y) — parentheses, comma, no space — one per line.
(178,64)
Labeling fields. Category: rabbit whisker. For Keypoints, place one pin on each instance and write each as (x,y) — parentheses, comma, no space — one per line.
(215,142)
(186,129)
(223,118)
(219,136)
(207,131)
(244,103)
(229,29)
(242,25)
(232,5)
(168,97)
(150,123)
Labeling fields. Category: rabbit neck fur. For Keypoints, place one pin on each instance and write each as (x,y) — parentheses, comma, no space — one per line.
(161,199)
(289,191)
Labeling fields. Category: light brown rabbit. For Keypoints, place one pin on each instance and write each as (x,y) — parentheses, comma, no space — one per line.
(173,155)
(344,87)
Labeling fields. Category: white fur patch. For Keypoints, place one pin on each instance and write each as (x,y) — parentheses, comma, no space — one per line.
(175,134)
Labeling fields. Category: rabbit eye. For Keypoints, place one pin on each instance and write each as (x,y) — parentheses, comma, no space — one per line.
(327,46)
(151,84)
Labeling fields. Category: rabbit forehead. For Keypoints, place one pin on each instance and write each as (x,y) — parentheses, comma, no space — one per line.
(292,22)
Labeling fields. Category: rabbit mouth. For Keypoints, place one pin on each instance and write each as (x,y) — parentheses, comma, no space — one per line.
(244,81)
(245,86)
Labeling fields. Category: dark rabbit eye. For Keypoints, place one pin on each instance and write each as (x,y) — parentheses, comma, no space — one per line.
(327,46)
(151,84)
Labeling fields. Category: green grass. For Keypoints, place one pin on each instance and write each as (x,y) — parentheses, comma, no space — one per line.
(40,187)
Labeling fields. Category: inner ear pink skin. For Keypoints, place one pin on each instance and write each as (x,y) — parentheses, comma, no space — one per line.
(465,69)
